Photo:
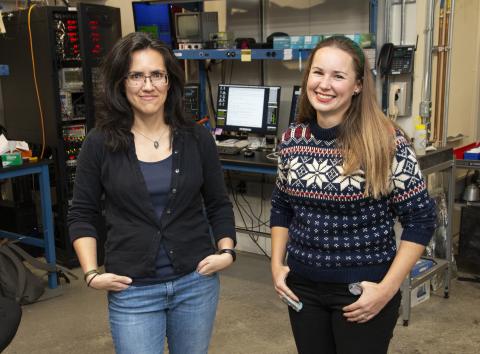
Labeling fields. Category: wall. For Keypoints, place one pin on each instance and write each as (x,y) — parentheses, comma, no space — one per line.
(414,20)
(463,112)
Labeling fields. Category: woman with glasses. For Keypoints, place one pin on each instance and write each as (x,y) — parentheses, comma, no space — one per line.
(164,199)
(345,173)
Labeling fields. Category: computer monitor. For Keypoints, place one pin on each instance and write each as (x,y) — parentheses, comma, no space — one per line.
(153,18)
(250,109)
(297,91)
(195,27)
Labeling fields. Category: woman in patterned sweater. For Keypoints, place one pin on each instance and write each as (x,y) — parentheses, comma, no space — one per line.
(345,174)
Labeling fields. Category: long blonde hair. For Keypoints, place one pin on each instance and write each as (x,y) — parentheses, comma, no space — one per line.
(366,136)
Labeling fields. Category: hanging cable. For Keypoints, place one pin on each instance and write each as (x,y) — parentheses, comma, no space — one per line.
(235,200)
(42,122)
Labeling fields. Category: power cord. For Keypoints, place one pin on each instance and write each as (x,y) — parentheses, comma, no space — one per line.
(240,208)
(37,91)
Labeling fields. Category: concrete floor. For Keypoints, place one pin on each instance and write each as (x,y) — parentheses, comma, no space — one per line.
(250,320)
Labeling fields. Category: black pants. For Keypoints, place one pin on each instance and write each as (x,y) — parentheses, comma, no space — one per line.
(10,315)
(321,328)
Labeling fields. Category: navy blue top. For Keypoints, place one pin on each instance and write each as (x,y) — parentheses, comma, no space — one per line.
(158,177)
(134,231)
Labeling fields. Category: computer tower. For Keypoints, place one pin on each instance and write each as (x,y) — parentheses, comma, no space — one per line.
(48,97)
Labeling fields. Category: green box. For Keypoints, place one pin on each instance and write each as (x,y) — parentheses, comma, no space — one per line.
(12,159)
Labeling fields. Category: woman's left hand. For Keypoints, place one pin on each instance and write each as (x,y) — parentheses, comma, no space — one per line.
(373,299)
(214,263)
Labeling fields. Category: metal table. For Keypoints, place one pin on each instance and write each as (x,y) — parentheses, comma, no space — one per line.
(48,242)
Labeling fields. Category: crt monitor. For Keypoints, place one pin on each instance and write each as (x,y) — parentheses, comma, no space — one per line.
(195,27)
(250,109)
(153,18)
(297,91)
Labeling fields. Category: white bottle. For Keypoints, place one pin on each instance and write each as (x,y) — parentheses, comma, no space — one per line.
(420,139)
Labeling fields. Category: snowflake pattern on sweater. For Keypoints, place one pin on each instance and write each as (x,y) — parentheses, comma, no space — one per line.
(336,233)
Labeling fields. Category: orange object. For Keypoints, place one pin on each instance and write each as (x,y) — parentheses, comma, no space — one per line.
(26,153)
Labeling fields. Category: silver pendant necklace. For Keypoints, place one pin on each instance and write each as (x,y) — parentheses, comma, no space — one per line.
(156,143)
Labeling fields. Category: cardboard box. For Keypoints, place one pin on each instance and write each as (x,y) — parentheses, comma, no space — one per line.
(364,40)
(420,294)
(282,42)
(296,42)
(421,266)
(472,154)
(11,159)
(310,42)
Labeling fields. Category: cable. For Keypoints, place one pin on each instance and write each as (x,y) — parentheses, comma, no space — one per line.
(250,208)
(262,222)
(42,123)
(241,215)
(272,156)
(223,72)
(212,105)
(231,71)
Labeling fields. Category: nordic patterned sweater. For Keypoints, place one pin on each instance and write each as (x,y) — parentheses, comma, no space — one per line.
(336,233)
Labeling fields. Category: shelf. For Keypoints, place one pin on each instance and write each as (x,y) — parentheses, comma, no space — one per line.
(436,160)
(441,160)
(236,54)
(440,266)
(470,164)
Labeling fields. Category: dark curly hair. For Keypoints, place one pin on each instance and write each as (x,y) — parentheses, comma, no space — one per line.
(114,112)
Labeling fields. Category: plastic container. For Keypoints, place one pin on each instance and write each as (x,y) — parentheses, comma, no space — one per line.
(420,139)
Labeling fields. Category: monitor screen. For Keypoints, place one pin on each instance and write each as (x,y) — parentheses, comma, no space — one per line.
(297,90)
(153,18)
(188,26)
(248,108)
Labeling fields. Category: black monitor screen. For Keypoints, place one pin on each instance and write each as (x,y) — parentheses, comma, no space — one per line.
(188,26)
(297,90)
(154,19)
(248,108)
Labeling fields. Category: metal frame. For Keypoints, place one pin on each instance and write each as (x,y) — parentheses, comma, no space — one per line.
(256,54)
(48,242)
(445,163)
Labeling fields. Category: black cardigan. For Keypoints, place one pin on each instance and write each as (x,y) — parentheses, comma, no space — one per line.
(133,229)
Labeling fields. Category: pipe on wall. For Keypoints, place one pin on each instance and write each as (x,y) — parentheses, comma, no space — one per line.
(426,98)
(449,67)
(402,22)
(386,23)
(441,71)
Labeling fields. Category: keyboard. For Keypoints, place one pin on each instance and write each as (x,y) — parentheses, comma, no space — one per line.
(231,146)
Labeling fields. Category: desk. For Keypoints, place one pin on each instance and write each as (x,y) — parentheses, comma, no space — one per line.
(48,242)
(258,163)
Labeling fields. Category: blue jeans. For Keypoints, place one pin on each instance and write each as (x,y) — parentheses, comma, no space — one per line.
(183,310)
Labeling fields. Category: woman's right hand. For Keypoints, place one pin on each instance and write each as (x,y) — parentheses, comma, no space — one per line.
(279,275)
(109,281)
